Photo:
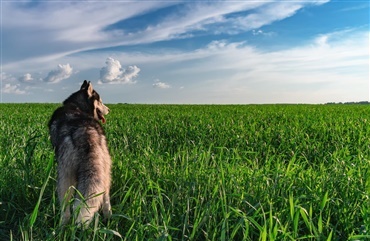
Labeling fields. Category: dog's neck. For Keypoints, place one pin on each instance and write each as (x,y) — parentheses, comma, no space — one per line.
(71,107)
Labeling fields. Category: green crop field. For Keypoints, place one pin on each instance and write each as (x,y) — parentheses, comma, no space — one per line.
(189,172)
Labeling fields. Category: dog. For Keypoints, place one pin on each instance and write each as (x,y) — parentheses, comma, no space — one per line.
(81,152)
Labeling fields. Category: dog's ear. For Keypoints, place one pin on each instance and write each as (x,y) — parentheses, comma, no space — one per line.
(89,89)
(84,85)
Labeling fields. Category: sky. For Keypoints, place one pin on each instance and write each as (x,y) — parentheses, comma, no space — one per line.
(186,52)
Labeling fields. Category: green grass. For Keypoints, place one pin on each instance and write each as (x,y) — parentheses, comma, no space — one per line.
(248,172)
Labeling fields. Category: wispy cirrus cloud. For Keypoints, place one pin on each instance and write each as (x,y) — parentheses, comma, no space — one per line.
(55,33)
(58,35)
(224,17)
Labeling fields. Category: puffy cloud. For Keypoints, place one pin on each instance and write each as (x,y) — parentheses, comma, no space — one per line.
(25,78)
(161,85)
(114,73)
(62,72)
(12,89)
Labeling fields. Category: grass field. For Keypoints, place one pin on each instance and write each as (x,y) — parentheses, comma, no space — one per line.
(252,172)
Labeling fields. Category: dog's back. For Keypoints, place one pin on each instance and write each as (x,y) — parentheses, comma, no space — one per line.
(83,160)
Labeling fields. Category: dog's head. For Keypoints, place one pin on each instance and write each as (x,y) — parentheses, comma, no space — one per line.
(98,109)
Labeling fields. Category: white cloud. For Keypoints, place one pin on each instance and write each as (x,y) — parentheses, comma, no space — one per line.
(272,12)
(62,72)
(58,35)
(334,68)
(161,85)
(26,78)
(12,89)
(309,73)
(329,67)
(334,62)
(218,18)
(55,34)
(114,73)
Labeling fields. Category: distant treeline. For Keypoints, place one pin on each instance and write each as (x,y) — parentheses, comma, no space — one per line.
(349,103)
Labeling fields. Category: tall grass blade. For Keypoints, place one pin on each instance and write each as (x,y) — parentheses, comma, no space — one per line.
(324,201)
(112,232)
(36,209)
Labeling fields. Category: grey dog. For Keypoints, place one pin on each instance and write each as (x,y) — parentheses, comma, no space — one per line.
(81,151)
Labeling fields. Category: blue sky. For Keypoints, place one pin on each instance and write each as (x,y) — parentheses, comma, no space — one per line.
(185,52)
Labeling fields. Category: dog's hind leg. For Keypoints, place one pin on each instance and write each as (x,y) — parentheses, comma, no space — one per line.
(107,211)
(65,187)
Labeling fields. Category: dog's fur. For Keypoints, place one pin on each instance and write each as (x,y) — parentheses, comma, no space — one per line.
(82,155)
